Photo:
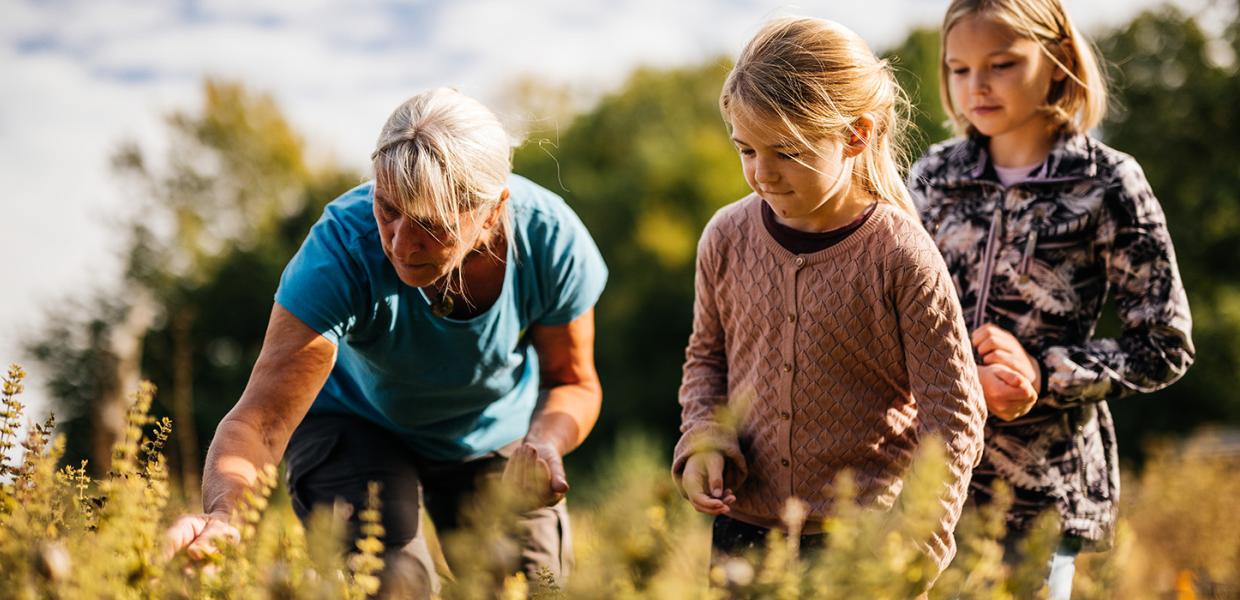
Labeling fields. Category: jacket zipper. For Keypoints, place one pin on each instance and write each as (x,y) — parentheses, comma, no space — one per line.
(988,265)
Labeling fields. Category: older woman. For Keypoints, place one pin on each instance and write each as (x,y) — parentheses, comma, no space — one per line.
(436,328)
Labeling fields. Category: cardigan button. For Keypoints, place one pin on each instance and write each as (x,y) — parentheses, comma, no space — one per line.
(784,462)
(785,415)
(800,261)
(787,368)
(792,318)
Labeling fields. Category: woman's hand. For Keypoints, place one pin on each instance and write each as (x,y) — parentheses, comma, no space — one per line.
(197,534)
(701,482)
(567,410)
(997,346)
(535,476)
(291,368)
(1008,394)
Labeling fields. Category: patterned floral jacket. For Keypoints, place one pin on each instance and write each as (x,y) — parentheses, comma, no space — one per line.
(1039,259)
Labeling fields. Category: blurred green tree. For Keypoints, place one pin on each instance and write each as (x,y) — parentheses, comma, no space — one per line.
(916,65)
(1175,90)
(645,168)
(218,216)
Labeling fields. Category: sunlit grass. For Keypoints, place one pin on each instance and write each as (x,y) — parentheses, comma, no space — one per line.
(64,535)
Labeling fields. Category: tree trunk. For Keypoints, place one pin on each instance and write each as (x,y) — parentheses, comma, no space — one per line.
(183,403)
(120,357)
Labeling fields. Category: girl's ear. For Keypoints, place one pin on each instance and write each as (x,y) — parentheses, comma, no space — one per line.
(859,136)
(1063,52)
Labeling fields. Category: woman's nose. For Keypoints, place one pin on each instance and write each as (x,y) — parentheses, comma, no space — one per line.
(406,239)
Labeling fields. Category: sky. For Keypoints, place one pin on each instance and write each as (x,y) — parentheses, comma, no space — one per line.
(82,76)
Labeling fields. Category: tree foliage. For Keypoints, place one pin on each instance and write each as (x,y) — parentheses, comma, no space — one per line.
(218,215)
(1175,93)
(645,168)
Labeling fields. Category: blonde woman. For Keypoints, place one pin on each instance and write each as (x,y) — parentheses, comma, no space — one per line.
(1039,223)
(824,318)
(435,330)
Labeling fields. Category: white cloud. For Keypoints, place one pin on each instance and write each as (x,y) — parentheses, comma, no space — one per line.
(60,201)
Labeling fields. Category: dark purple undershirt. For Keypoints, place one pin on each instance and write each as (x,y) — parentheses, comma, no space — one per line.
(804,242)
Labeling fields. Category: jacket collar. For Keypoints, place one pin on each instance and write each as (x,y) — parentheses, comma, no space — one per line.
(1072,156)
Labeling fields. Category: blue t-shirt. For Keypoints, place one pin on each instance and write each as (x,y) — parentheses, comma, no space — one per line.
(452,389)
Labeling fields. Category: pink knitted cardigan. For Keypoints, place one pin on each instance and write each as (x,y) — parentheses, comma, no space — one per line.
(841,359)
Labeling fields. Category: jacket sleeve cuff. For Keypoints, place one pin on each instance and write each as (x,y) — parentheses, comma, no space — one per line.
(1048,362)
(1043,375)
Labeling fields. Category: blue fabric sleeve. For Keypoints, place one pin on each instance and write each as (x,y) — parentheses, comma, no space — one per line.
(574,273)
(324,282)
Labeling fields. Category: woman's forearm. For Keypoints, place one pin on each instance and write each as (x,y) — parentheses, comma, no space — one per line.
(566,416)
(290,370)
(237,455)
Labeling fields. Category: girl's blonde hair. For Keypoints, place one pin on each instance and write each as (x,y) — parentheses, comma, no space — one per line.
(442,153)
(817,78)
(1078,102)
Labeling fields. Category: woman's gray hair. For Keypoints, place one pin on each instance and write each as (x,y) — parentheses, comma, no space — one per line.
(442,153)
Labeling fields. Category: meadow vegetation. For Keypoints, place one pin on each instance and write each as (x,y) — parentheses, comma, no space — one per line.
(64,534)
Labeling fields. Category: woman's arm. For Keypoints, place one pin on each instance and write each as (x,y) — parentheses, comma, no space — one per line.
(291,368)
(567,409)
(571,394)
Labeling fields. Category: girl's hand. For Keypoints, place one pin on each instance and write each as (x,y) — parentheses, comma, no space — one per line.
(1008,394)
(997,346)
(702,483)
(535,475)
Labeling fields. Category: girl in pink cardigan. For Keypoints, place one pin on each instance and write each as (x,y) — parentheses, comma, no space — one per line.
(827,334)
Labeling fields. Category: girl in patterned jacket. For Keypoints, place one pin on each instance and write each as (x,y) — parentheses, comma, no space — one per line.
(825,323)
(1039,223)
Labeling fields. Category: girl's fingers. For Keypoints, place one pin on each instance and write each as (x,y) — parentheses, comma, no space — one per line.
(980,334)
(702,484)
(999,356)
(1021,386)
(1006,374)
(692,480)
(714,470)
(993,332)
(706,504)
(986,346)
(998,334)
(989,338)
